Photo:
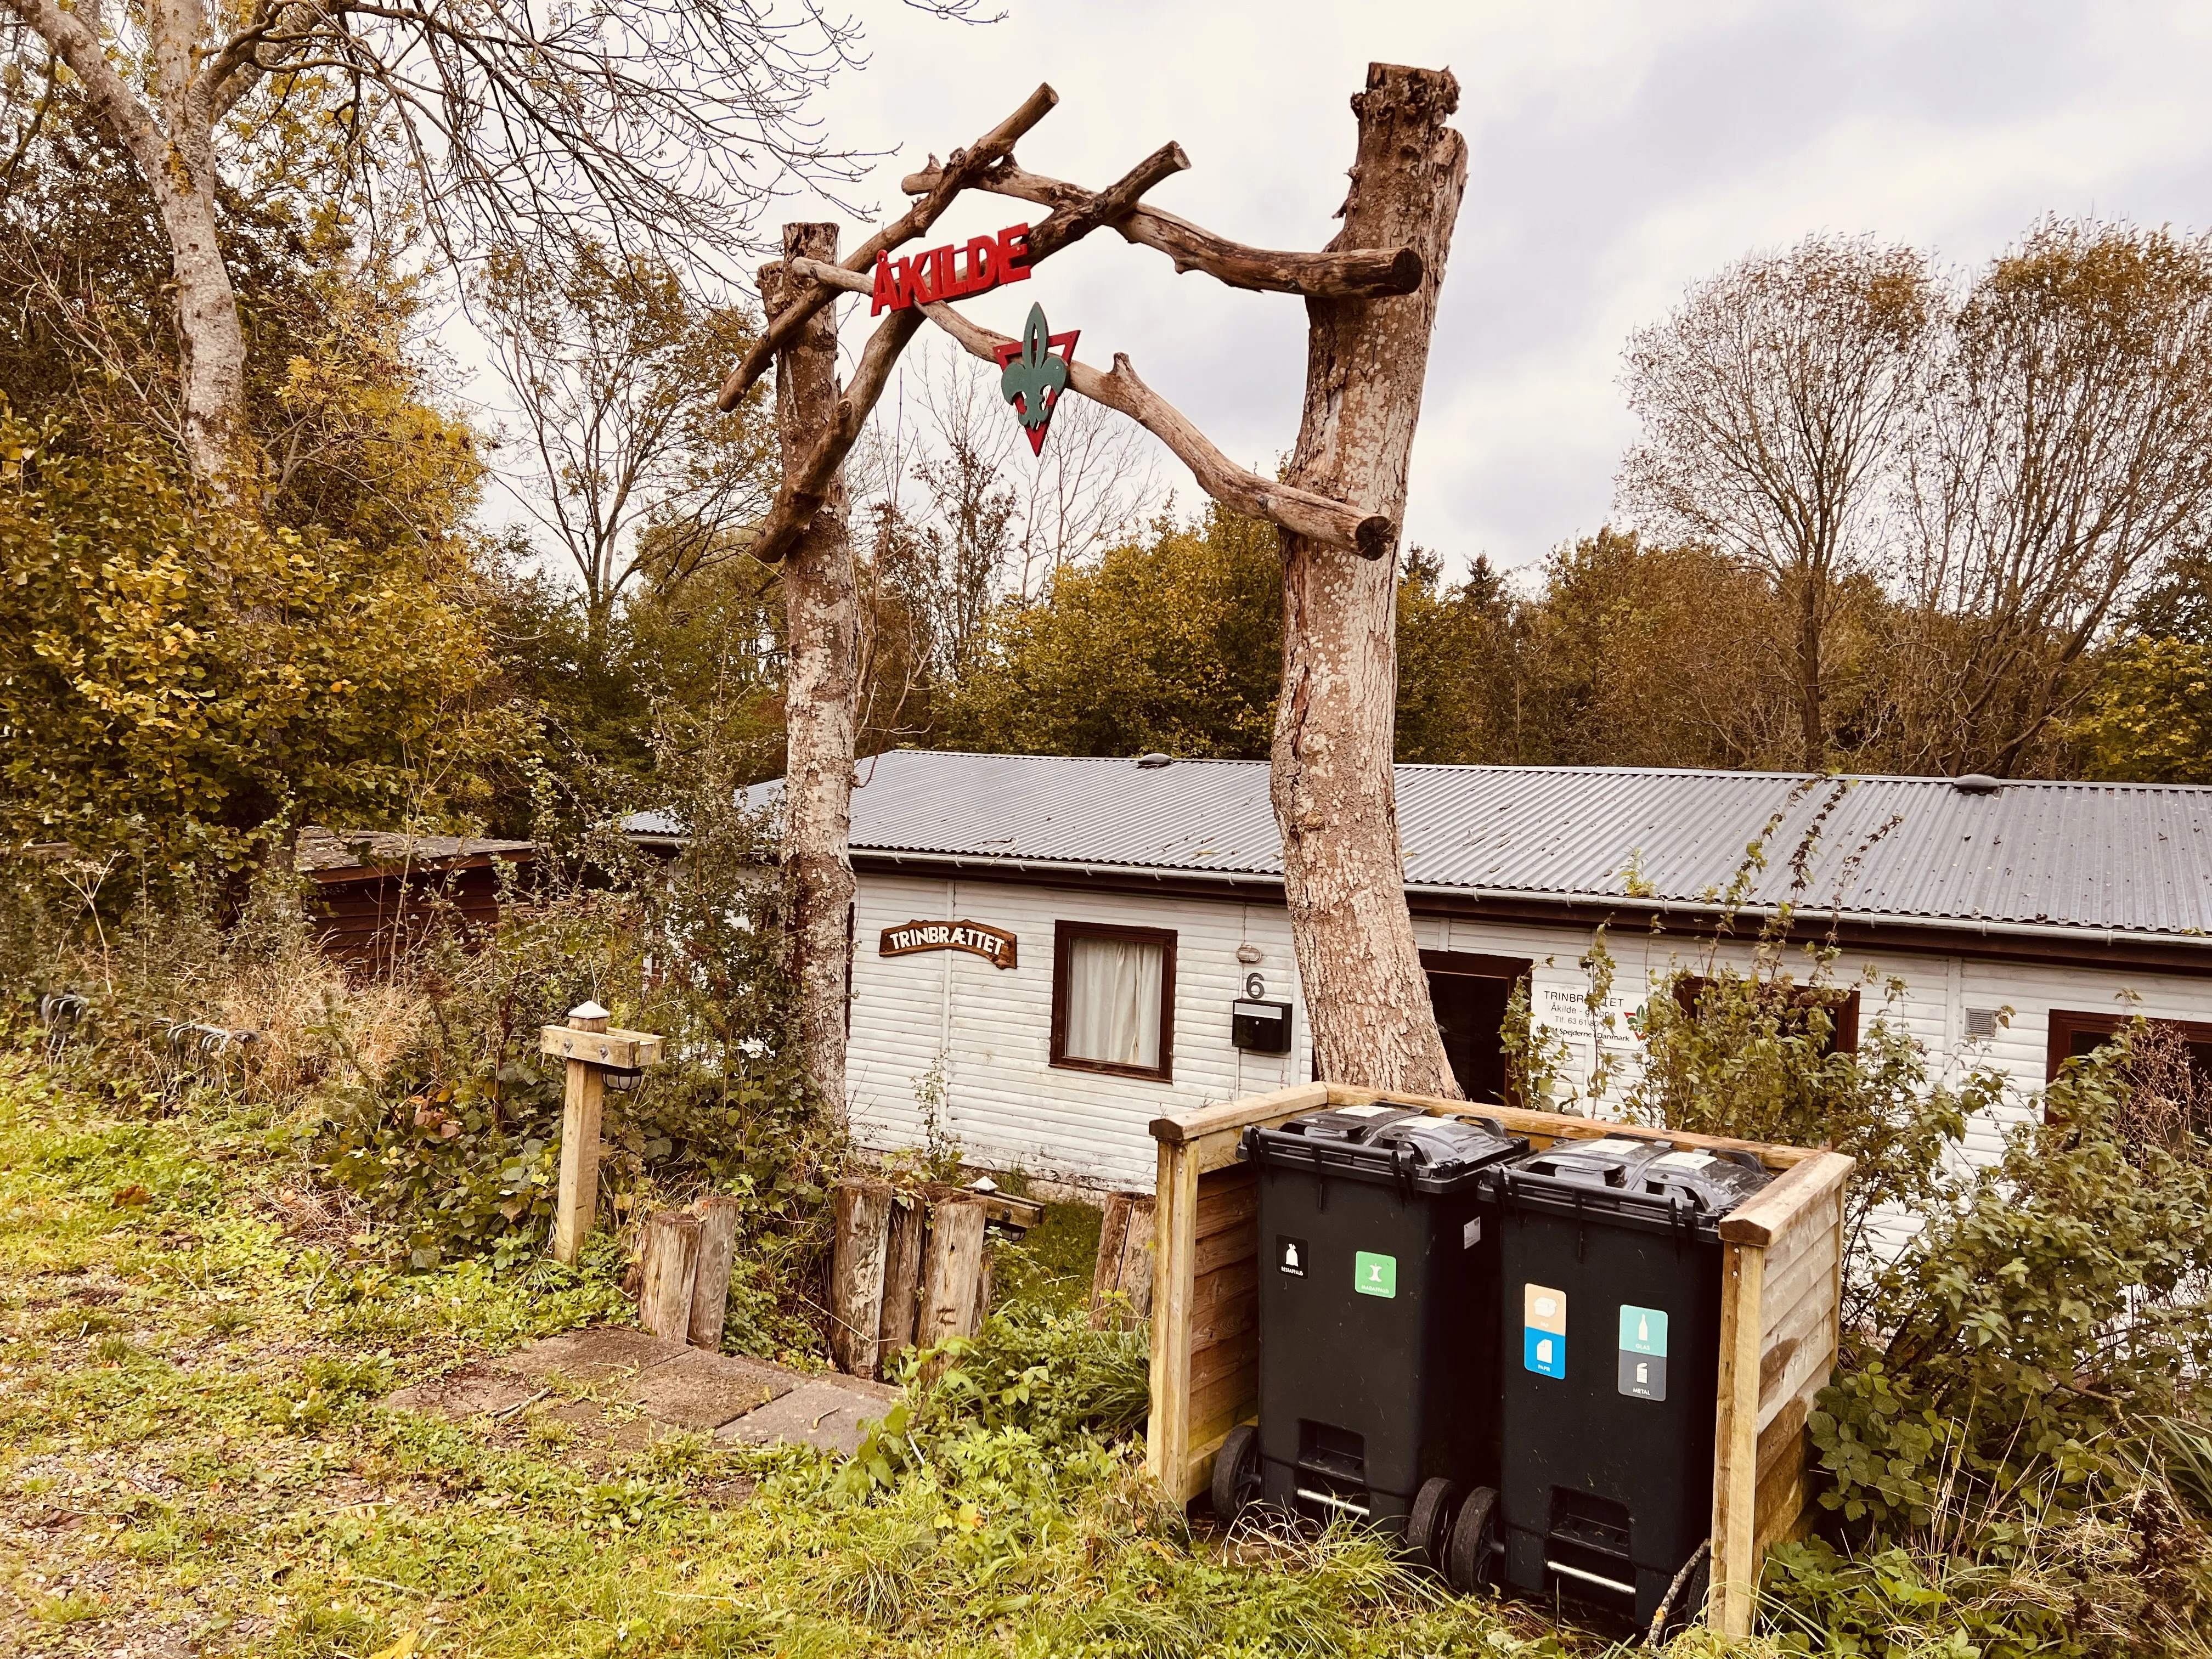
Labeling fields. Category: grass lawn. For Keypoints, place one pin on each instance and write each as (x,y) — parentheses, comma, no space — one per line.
(193,1460)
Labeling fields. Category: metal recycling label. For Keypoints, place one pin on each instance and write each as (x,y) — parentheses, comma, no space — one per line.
(1642,1352)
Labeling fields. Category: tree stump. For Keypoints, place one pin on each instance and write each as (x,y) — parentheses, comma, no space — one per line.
(907,1234)
(952,1274)
(1121,1283)
(718,1214)
(856,1273)
(671,1264)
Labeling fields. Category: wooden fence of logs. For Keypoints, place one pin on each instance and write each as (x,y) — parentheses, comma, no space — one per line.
(910,1266)
(683,1271)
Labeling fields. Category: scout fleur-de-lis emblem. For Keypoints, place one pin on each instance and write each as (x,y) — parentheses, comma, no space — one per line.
(1031,377)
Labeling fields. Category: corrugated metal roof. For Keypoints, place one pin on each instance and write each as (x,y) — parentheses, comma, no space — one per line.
(320,849)
(2126,857)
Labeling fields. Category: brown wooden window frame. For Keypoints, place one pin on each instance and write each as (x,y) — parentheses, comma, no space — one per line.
(1064,936)
(1843,1007)
(2064,1023)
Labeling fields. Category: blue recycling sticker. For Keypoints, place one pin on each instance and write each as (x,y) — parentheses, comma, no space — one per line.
(1544,1351)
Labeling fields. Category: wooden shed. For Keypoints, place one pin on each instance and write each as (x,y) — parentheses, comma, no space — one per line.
(1782,1264)
(379,892)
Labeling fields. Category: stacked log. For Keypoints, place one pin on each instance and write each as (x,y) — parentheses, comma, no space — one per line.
(683,1271)
(1121,1283)
(911,1267)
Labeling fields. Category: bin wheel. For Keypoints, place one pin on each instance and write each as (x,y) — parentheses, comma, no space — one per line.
(1468,1552)
(1236,1474)
(1430,1523)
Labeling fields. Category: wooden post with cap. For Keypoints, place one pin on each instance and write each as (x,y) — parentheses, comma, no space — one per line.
(591,1050)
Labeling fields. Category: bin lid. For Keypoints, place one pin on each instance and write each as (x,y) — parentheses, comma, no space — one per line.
(1651,1176)
(1387,1141)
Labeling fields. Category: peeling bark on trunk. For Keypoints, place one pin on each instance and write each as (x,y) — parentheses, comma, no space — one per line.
(1334,800)
(211,340)
(178,166)
(821,686)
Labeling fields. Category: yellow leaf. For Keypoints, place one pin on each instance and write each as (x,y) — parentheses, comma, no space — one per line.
(403,1647)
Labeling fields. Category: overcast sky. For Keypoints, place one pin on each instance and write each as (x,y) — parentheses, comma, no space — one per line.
(1619,152)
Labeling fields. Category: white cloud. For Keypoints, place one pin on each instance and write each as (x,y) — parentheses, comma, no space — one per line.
(1620,150)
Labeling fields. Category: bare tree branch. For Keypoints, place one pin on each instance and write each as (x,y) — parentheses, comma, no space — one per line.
(1351,274)
(1302,511)
(805,490)
(801,495)
(953,178)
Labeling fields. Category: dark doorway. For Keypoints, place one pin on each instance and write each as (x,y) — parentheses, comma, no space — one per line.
(1469,993)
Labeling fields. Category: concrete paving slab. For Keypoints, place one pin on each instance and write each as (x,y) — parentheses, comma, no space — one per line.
(475,1390)
(825,1414)
(617,1431)
(600,1353)
(703,1391)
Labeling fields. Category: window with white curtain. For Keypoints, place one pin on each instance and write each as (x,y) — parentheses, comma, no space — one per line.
(1114,998)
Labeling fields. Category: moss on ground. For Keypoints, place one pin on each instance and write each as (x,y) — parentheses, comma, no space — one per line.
(194,1458)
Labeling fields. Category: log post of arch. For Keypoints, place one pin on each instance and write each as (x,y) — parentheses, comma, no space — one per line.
(821,682)
(1334,798)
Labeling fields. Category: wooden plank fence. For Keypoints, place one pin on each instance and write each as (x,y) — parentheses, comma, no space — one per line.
(1782,1263)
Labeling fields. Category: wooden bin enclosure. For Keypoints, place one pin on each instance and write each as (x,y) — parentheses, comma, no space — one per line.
(1782,1265)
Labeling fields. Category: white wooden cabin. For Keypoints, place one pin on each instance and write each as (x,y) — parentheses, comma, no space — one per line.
(1050,951)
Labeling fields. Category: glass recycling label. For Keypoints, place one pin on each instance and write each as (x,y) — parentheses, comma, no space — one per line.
(1642,1352)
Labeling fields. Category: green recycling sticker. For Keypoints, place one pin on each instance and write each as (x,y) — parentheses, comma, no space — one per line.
(1373,1274)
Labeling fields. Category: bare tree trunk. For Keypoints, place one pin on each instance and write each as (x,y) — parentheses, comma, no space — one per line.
(821,686)
(211,339)
(1335,797)
(1812,716)
(178,170)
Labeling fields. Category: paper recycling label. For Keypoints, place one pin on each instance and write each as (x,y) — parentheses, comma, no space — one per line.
(1544,1330)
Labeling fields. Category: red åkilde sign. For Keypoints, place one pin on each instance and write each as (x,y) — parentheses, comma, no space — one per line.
(952,272)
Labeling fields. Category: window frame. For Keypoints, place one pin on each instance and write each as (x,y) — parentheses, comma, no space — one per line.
(1064,936)
(2063,1024)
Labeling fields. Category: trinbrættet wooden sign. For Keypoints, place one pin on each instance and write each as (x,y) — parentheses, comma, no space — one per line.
(994,944)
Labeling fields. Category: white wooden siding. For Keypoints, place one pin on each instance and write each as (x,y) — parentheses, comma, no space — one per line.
(1009,1107)
(1006,1103)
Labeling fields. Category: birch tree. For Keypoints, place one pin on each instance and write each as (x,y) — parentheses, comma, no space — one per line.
(822,682)
(662,123)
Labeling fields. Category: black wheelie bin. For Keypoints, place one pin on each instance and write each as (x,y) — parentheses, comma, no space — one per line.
(1610,1261)
(1378,1320)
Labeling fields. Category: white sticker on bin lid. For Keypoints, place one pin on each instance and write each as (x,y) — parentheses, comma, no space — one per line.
(1367,1111)
(1684,1161)
(1610,1144)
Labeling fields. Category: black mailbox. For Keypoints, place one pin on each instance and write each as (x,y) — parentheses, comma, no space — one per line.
(1261,1028)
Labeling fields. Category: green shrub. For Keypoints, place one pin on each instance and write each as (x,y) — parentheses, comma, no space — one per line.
(2056,1298)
